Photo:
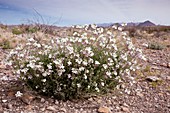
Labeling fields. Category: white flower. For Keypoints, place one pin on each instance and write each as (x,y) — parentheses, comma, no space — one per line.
(4,78)
(127,71)
(109,33)
(50,56)
(120,28)
(45,74)
(88,87)
(85,76)
(61,67)
(81,69)
(52,41)
(108,73)
(102,83)
(69,63)
(85,63)
(78,61)
(31,39)
(24,70)
(105,66)
(69,75)
(21,55)
(115,73)
(49,66)
(145,44)
(93,26)
(31,65)
(74,71)
(9,63)
(114,55)
(43,80)
(90,60)
(97,89)
(18,94)
(114,27)
(97,62)
(124,24)
(87,71)
(78,85)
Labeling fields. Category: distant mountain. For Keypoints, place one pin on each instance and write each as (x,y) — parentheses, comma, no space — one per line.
(132,24)
(146,24)
(139,24)
(105,24)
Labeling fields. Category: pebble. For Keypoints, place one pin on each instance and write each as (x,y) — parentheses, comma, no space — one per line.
(168,65)
(42,109)
(56,102)
(152,78)
(4,101)
(104,109)
(51,108)
(109,102)
(139,94)
(90,99)
(1,109)
(125,109)
(63,109)
(29,107)
(9,106)
(168,77)
(26,98)
(42,100)
(2,66)
(99,101)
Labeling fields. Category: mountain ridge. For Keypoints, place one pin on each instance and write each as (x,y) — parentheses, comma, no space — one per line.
(146,23)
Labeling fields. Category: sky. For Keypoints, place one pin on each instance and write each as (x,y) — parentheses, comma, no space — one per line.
(72,12)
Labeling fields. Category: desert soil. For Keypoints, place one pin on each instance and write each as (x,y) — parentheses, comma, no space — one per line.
(145,92)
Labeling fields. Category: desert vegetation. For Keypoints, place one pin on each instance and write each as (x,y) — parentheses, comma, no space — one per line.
(84,62)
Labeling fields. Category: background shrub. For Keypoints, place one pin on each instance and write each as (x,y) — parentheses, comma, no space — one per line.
(156,46)
(16,31)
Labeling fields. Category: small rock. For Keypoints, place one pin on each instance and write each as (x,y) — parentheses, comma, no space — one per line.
(109,102)
(118,108)
(139,94)
(27,98)
(11,94)
(152,78)
(127,91)
(4,101)
(56,102)
(99,101)
(1,110)
(9,106)
(125,109)
(124,104)
(42,100)
(104,109)
(42,109)
(63,110)
(145,45)
(28,107)
(90,99)
(51,108)
(168,65)
(46,102)
(2,66)
(168,77)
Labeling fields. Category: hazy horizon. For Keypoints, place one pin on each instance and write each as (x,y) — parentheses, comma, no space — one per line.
(72,12)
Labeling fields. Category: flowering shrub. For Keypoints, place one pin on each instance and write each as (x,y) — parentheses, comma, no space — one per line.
(80,64)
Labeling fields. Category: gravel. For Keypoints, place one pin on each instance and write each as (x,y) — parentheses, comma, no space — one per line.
(148,92)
